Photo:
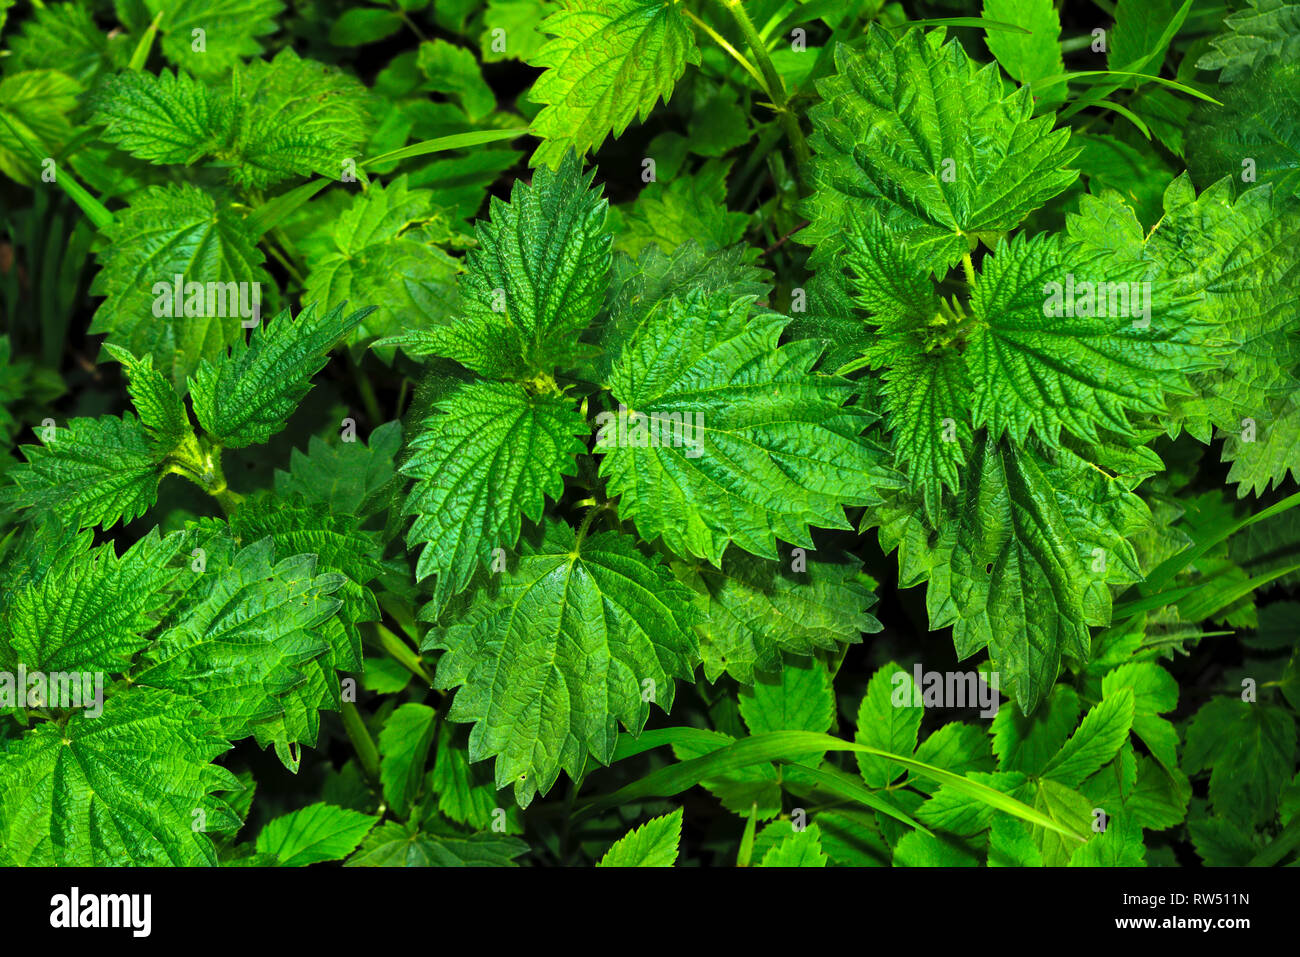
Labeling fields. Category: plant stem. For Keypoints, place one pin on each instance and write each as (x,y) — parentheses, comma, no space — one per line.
(969,267)
(228,500)
(402,653)
(775,87)
(288,259)
(1077,43)
(364,745)
(586,523)
(410,23)
(736,55)
(201,464)
(401,397)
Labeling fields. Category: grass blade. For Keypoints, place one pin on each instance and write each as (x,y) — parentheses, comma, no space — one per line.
(454,142)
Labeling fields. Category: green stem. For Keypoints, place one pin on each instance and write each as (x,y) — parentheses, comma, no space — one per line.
(1078,43)
(544,384)
(402,653)
(410,23)
(1280,847)
(228,499)
(401,398)
(775,86)
(362,743)
(287,259)
(969,267)
(736,55)
(575,785)
(200,462)
(586,523)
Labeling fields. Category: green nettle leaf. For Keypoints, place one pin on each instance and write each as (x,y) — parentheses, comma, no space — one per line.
(520,26)
(309,528)
(170,118)
(345,477)
(722,435)
(230,31)
(851,838)
(916,849)
(300,117)
(1265,27)
(609,61)
(465,791)
(379,246)
(245,636)
(62,37)
(319,832)
(395,845)
(1027,742)
(1022,559)
(1255,131)
(651,434)
(1037,366)
(452,69)
(653,844)
(1154,692)
(168,232)
(403,749)
(1058,338)
(36,104)
(797,698)
(94,472)
(889,718)
(927,385)
(1032,57)
(1231,260)
(1222,843)
(958,814)
(955,747)
(758,609)
(754,790)
(285,117)
(1068,808)
(161,411)
(1249,748)
(246,396)
(1270,458)
(797,849)
(673,212)
(1103,730)
(1065,776)
(1120,845)
(1142,33)
(91,611)
(577,638)
(912,129)
(491,456)
(120,788)
(362,25)
(638,287)
(535,281)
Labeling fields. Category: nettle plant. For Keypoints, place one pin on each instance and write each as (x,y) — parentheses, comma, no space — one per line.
(614,456)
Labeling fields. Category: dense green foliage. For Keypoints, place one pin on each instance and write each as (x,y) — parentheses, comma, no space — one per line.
(649,432)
